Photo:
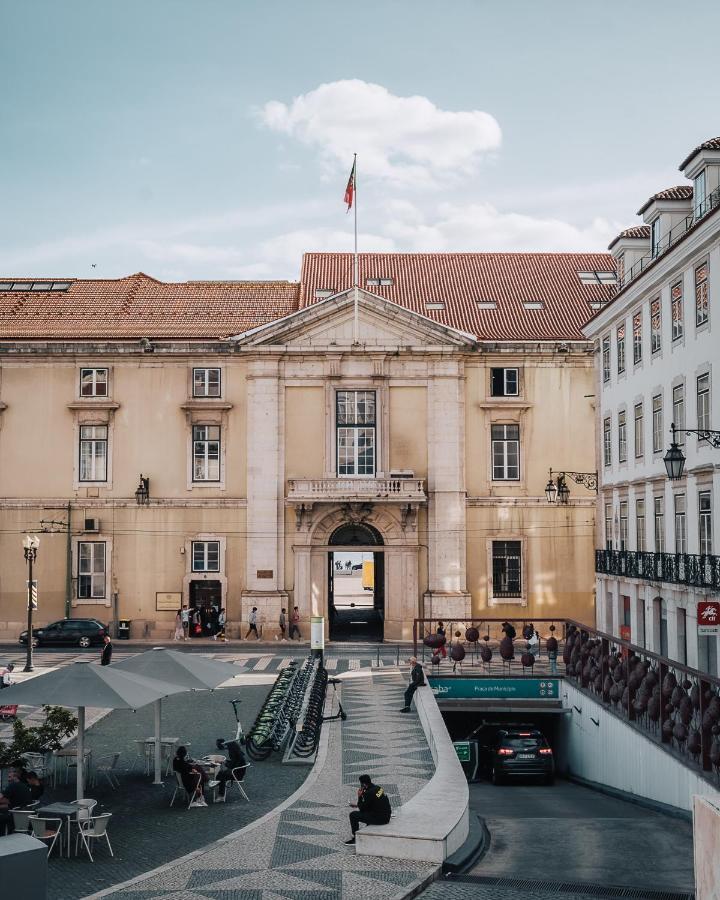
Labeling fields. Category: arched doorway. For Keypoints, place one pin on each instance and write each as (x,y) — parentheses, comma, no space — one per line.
(356,583)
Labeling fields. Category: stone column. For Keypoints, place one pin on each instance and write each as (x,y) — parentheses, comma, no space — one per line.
(447,596)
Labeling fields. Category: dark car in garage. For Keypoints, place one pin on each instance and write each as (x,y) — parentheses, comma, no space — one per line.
(72,632)
(509,750)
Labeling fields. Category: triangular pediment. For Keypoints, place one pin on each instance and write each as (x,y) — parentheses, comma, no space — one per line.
(331,323)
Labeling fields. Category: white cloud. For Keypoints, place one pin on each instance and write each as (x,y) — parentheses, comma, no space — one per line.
(405,140)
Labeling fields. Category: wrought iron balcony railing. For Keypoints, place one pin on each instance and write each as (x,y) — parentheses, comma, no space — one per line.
(673,568)
(374,490)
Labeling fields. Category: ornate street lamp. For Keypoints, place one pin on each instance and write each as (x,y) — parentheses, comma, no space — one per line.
(558,490)
(551,490)
(31,542)
(674,459)
(142,493)
(563,492)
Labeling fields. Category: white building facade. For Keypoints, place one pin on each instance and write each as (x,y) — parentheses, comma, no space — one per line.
(658,362)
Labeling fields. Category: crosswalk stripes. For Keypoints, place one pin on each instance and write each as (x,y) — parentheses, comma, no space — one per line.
(262,663)
(331,664)
(284,663)
(354,664)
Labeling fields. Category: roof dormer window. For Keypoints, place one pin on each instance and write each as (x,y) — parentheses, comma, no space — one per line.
(655,237)
(700,195)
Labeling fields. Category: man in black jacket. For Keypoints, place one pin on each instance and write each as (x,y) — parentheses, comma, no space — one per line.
(417,679)
(106,655)
(373,806)
(235,759)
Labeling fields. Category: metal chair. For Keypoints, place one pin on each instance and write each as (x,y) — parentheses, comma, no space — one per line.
(46,830)
(181,787)
(107,765)
(238,781)
(92,829)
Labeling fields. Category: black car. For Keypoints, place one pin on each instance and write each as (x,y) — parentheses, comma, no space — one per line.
(522,754)
(80,632)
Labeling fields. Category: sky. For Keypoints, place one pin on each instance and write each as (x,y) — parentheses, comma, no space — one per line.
(212,139)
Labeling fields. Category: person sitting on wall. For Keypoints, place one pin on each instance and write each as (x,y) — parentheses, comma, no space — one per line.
(373,807)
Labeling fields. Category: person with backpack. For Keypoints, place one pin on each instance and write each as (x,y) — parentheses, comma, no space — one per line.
(417,679)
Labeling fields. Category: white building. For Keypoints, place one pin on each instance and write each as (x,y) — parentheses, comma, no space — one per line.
(658,362)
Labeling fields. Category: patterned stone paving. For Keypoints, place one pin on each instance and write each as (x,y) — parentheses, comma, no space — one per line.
(298,853)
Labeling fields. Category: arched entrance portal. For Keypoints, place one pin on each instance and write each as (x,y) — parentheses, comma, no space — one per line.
(356,584)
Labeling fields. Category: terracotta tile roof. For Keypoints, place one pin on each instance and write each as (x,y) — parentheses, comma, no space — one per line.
(639,232)
(139,306)
(711,144)
(679,192)
(460,280)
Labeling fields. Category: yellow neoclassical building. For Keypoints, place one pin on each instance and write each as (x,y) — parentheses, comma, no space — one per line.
(296,439)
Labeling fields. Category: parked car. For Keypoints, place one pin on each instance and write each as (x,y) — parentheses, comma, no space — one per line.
(508,750)
(82,632)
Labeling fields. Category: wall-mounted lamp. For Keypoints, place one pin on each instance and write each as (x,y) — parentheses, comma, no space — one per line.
(142,493)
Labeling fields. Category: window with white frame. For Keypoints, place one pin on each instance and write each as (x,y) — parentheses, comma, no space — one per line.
(91,570)
(606,359)
(505,441)
(657,423)
(678,310)
(506,569)
(356,432)
(640,525)
(206,556)
(705,522)
(206,452)
(655,237)
(608,527)
(206,382)
(620,346)
(655,325)
(637,337)
(703,402)
(622,436)
(678,402)
(659,523)
(93,452)
(93,382)
(700,195)
(680,524)
(504,382)
(607,442)
(702,299)
(639,433)
(623,524)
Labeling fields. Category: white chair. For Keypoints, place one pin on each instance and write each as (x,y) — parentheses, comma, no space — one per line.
(237,781)
(21,820)
(36,762)
(181,787)
(84,813)
(47,830)
(92,829)
(106,766)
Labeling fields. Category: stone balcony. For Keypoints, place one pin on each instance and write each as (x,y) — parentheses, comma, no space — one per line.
(356,490)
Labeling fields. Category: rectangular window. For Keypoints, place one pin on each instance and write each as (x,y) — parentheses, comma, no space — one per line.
(620,334)
(505,452)
(506,567)
(703,402)
(356,423)
(623,525)
(93,452)
(622,437)
(206,556)
(93,382)
(206,382)
(639,433)
(701,295)
(680,524)
(640,525)
(206,452)
(659,522)
(705,522)
(91,570)
(606,359)
(700,195)
(655,325)
(607,442)
(655,237)
(608,526)
(504,382)
(637,337)
(620,268)
(678,312)
(657,423)
(678,401)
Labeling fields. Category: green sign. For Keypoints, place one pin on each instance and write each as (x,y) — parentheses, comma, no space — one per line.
(495,688)
(462,748)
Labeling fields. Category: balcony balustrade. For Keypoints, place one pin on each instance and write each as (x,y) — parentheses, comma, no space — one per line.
(353,490)
(673,568)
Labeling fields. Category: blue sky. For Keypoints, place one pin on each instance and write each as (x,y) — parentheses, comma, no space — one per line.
(213,138)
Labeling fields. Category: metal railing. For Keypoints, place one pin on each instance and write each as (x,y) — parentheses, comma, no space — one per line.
(689,569)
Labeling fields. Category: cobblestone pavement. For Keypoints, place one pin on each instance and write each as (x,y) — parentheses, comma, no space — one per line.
(470,889)
(299,854)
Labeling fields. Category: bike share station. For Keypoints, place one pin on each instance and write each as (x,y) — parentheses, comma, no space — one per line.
(290,720)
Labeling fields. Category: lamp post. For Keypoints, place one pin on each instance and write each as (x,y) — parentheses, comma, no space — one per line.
(674,459)
(142,492)
(558,491)
(31,542)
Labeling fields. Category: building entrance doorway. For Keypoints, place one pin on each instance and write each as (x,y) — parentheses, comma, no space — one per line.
(205,604)
(356,584)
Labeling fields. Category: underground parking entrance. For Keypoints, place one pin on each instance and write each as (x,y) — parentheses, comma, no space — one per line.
(356,584)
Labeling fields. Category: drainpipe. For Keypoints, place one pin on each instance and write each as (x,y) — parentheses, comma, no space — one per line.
(68,566)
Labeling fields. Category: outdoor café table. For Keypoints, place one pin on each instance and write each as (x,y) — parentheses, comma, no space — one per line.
(148,745)
(68,753)
(65,811)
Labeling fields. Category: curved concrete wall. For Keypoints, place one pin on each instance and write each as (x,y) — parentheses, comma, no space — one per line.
(435,822)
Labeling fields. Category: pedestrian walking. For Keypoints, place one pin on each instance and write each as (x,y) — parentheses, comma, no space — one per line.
(6,678)
(295,624)
(252,622)
(185,614)
(373,806)
(179,630)
(221,621)
(196,623)
(417,679)
(282,622)
(440,630)
(106,655)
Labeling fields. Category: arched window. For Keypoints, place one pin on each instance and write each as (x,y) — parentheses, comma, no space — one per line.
(355,535)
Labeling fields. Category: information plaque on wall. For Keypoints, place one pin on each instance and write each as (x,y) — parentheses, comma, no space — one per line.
(168,600)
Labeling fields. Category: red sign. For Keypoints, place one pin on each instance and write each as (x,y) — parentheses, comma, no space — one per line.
(708,617)
(625,632)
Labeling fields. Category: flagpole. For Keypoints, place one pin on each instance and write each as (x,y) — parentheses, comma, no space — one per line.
(356,268)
